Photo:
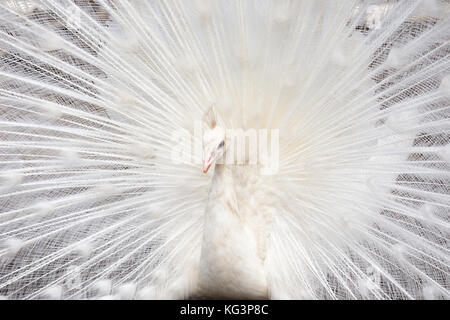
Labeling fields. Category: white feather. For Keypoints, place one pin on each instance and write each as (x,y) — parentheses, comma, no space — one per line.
(91,95)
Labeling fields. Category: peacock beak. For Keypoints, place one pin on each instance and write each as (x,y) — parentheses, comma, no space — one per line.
(207,162)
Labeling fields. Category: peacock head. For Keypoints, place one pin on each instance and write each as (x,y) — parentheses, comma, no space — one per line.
(213,140)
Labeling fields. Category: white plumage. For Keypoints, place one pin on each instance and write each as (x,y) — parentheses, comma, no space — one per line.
(94,92)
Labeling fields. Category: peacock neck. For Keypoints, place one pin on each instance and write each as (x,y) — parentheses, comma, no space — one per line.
(223,175)
(222,171)
(222,185)
(222,190)
(229,265)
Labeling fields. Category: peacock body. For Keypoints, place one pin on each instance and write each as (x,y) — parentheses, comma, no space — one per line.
(95,93)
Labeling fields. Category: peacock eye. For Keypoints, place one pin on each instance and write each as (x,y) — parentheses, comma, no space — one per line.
(221,144)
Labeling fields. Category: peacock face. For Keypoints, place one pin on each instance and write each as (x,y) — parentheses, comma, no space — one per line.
(213,146)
